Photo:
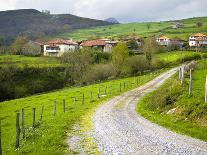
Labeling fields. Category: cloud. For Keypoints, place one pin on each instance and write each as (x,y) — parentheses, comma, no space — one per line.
(124,11)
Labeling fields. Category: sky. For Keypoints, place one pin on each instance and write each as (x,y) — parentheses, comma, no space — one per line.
(123,10)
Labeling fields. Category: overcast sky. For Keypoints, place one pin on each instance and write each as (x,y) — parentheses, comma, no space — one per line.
(123,10)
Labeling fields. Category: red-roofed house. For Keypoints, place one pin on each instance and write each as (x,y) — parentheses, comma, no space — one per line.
(57,47)
(163,41)
(105,45)
(198,39)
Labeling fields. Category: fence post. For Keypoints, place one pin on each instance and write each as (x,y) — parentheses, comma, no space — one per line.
(179,73)
(110,89)
(17,130)
(206,91)
(0,140)
(23,129)
(124,85)
(99,92)
(190,83)
(105,90)
(41,113)
(54,108)
(64,105)
(75,102)
(120,87)
(33,118)
(83,99)
(182,75)
(91,96)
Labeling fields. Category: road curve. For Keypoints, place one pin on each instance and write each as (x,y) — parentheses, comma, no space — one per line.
(118,129)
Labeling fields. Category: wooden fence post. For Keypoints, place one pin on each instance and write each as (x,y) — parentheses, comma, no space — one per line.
(17,130)
(64,105)
(75,102)
(33,118)
(124,85)
(83,98)
(110,89)
(105,90)
(179,73)
(182,75)
(99,92)
(41,113)
(206,91)
(190,83)
(120,87)
(23,129)
(54,108)
(91,96)
(0,140)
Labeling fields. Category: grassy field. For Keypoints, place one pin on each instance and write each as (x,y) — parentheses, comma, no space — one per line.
(190,116)
(20,60)
(140,29)
(49,135)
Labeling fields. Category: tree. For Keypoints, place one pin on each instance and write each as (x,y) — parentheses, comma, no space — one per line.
(199,24)
(132,44)
(18,44)
(149,48)
(148,26)
(119,54)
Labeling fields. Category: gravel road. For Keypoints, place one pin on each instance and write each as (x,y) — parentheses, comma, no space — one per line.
(118,129)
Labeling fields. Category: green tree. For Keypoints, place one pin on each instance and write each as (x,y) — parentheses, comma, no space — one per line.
(119,54)
(148,26)
(149,48)
(18,44)
(199,24)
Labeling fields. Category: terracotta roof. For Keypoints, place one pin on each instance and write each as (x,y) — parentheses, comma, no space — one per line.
(61,41)
(163,37)
(90,43)
(198,35)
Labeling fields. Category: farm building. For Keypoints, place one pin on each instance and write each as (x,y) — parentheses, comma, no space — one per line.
(197,40)
(163,41)
(104,45)
(57,47)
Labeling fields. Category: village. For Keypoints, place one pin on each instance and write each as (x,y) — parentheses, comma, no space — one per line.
(56,47)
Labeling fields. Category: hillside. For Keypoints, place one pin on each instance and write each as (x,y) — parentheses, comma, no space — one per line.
(36,24)
(142,29)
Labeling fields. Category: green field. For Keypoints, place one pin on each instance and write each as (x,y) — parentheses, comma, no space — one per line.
(20,60)
(190,117)
(140,29)
(49,135)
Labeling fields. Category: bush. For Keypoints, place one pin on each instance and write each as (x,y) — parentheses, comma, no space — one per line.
(195,56)
(100,72)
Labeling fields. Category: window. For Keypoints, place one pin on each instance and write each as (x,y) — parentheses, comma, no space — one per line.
(53,48)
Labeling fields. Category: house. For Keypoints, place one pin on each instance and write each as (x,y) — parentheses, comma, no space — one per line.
(198,40)
(177,25)
(57,47)
(163,41)
(104,45)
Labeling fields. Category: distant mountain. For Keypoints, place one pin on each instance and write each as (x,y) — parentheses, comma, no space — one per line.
(36,24)
(112,20)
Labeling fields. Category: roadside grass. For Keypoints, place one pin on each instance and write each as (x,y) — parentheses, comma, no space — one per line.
(21,61)
(190,116)
(49,135)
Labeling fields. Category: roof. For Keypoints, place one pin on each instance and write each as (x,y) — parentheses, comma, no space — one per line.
(198,35)
(90,43)
(163,37)
(61,42)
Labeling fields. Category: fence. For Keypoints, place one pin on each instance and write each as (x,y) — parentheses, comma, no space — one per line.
(102,92)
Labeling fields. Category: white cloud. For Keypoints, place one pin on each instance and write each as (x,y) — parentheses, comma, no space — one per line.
(123,10)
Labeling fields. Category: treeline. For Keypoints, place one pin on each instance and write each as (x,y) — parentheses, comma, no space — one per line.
(82,67)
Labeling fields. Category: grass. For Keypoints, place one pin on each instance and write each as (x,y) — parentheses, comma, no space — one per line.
(49,135)
(190,117)
(21,60)
(140,29)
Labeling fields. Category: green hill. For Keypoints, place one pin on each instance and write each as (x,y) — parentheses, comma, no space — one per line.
(35,24)
(142,30)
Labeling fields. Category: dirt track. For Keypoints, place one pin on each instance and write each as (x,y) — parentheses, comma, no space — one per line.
(118,129)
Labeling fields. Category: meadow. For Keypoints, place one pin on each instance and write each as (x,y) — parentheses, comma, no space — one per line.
(190,116)
(141,30)
(49,135)
(20,60)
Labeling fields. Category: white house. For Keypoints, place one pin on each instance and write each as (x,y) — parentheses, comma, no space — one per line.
(57,47)
(198,39)
(163,41)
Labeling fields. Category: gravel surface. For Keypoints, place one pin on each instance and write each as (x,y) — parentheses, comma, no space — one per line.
(118,129)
